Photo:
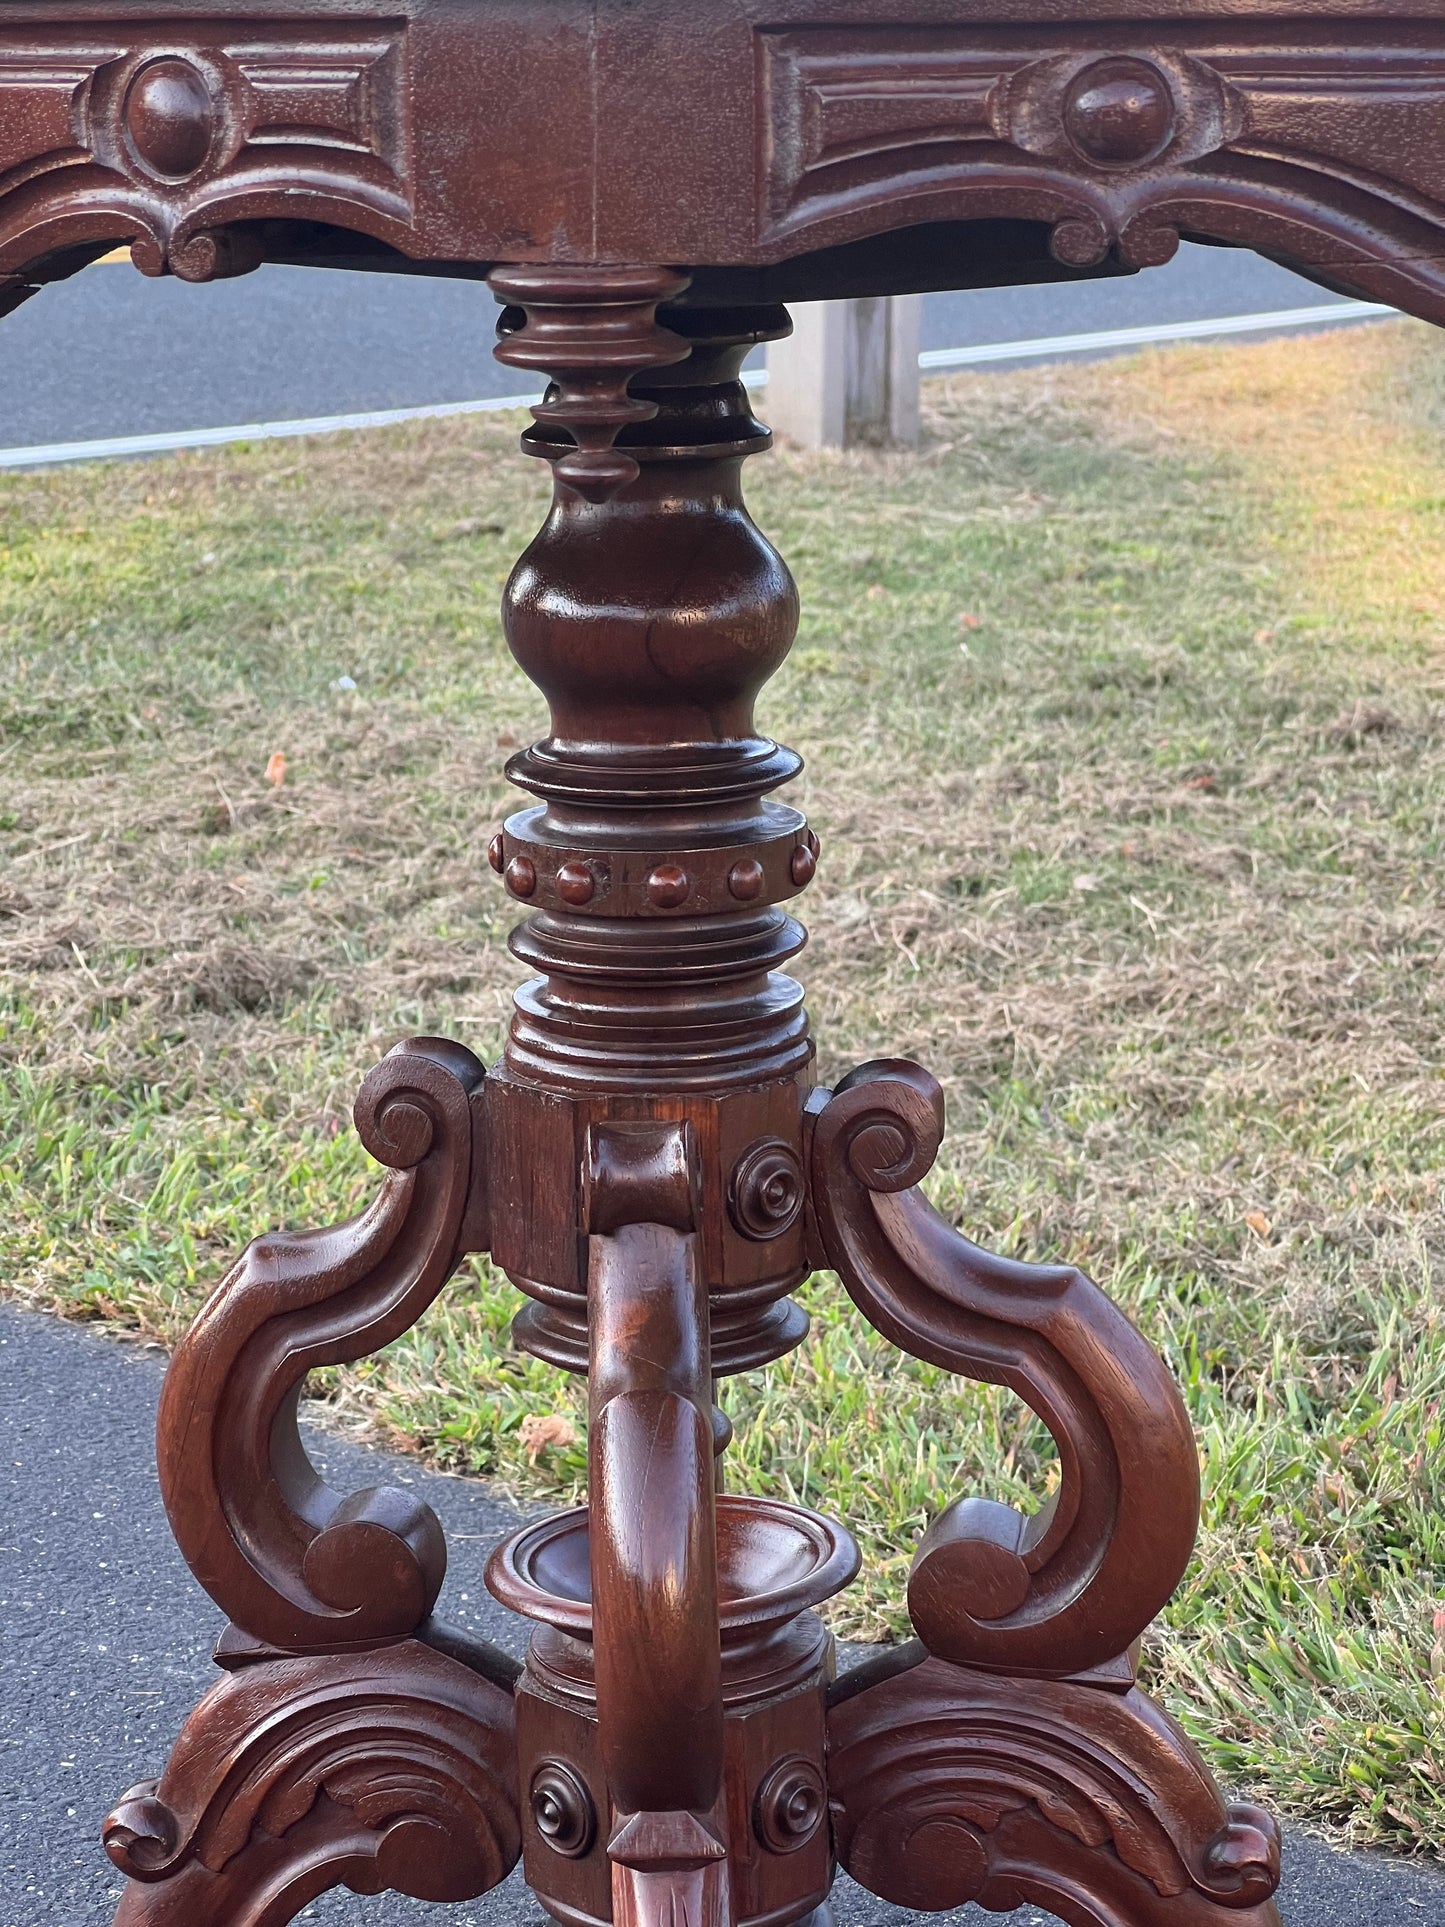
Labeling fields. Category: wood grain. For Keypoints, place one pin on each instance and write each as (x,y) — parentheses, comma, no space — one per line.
(779,155)
(949,1786)
(297,1566)
(1068,1588)
(391,1769)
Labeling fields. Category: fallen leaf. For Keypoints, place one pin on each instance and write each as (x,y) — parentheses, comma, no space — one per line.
(540,1430)
(276,769)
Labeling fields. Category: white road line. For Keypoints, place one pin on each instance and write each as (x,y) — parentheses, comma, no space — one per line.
(52,454)
(1229,324)
(47,454)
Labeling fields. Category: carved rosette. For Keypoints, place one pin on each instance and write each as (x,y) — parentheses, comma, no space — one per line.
(1119,140)
(1078,138)
(1116,119)
(392,1769)
(170,139)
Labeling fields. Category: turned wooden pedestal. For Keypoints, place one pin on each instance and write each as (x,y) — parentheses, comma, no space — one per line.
(650,1162)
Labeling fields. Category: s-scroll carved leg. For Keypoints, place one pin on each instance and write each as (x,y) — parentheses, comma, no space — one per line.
(391,1769)
(341,1750)
(297,1566)
(1015,1758)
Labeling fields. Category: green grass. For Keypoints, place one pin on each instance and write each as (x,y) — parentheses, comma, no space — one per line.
(1124,710)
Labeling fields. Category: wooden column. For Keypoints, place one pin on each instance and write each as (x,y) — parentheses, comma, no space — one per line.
(652,1165)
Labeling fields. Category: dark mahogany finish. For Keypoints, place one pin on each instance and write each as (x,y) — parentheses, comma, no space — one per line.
(779,149)
(644,181)
(391,1768)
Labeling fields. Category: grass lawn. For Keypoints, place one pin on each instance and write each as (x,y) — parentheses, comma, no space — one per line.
(1124,711)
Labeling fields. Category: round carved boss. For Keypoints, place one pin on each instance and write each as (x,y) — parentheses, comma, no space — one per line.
(562,1809)
(1120,112)
(170,118)
(767,1190)
(790,1805)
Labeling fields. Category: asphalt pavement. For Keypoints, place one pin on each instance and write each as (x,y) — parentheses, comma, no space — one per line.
(112,353)
(105,1646)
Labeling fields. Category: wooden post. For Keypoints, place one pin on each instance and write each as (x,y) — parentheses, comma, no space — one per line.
(848,374)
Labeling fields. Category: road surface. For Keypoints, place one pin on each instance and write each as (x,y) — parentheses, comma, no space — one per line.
(111,353)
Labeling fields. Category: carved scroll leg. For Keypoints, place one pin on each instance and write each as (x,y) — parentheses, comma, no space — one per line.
(949,1785)
(383,1767)
(298,1567)
(389,1769)
(1070,1588)
(1018,1761)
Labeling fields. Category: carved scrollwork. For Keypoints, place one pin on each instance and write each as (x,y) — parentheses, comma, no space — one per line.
(174,137)
(948,1786)
(1069,1589)
(1113,117)
(390,1769)
(296,1565)
(205,254)
(1121,141)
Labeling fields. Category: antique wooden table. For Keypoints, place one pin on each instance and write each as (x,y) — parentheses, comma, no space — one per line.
(644,182)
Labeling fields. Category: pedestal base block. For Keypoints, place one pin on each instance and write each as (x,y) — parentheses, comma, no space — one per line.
(774,1562)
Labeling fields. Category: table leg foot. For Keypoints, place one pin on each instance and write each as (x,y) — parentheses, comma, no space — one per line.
(388,1769)
(949,1785)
